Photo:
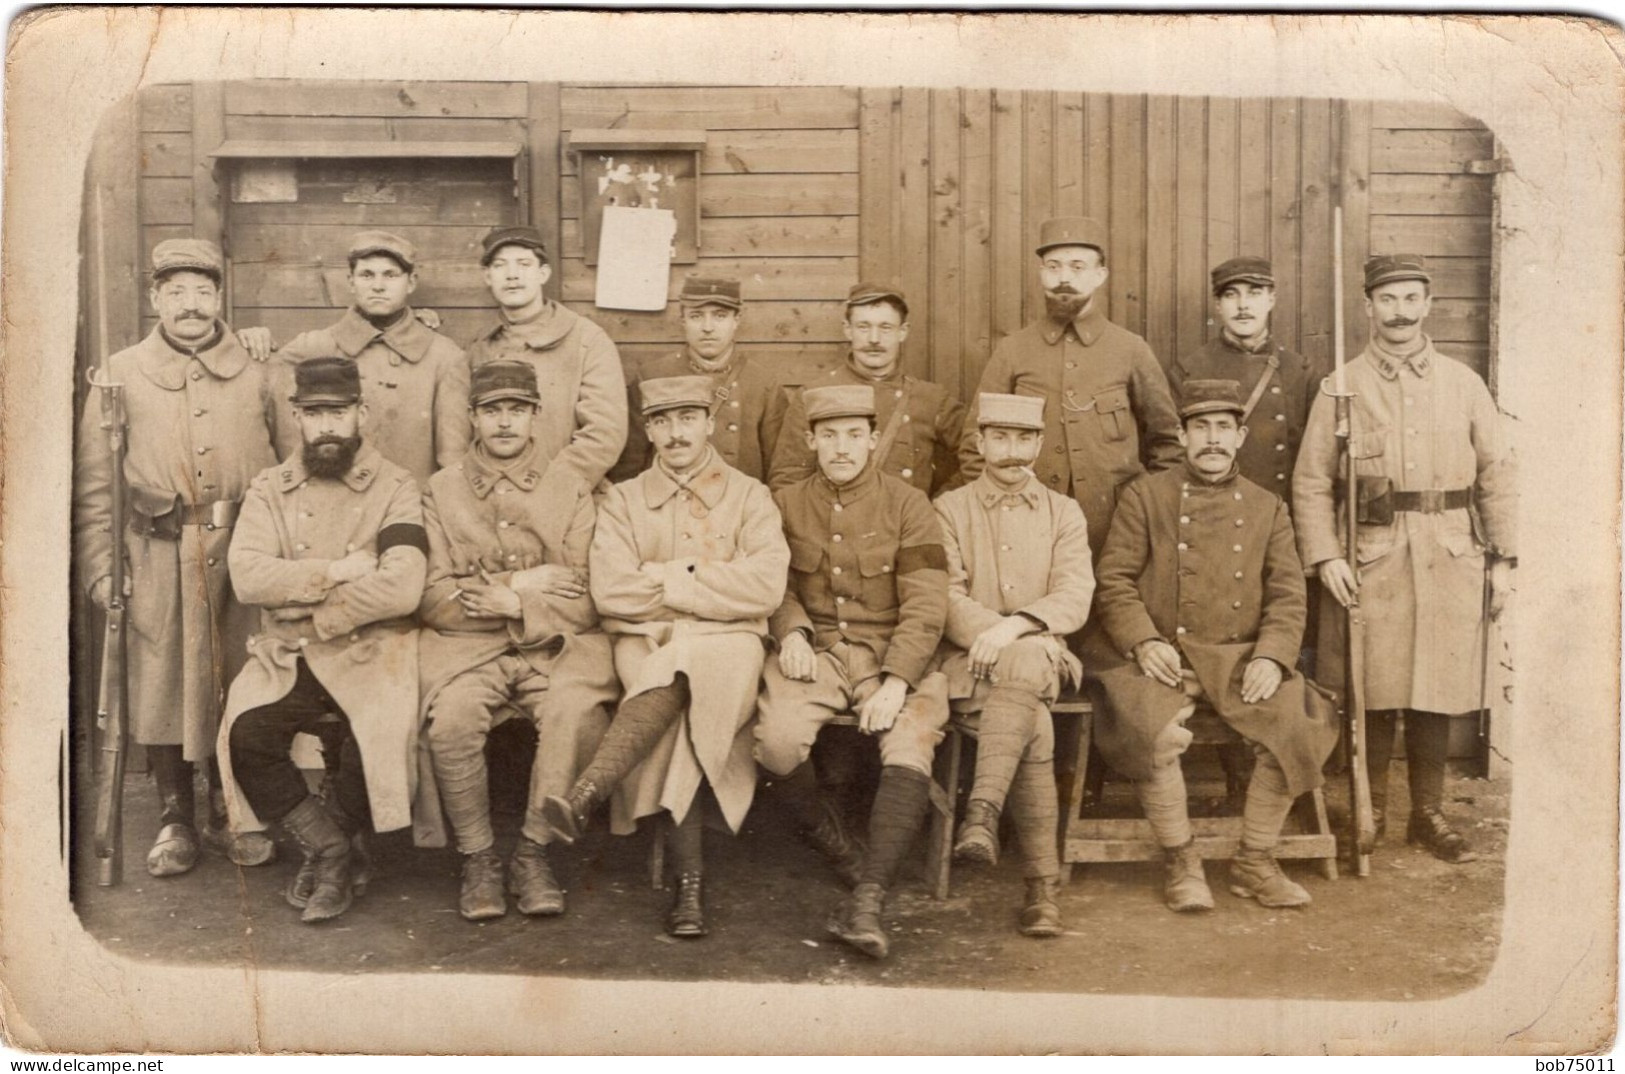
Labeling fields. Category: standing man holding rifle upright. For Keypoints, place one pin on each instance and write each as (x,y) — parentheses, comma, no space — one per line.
(1433,507)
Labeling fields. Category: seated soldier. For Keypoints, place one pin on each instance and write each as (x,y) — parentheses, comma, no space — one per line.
(1200,583)
(1019,581)
(856,633)
(687,563)
(330,545)
(509,625)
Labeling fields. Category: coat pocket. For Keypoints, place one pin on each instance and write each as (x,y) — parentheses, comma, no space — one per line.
(1116,420)
(1461,543)
(876,566)
(1370,443)
(805,556)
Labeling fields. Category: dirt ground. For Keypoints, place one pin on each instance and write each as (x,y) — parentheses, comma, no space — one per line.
(1416,928)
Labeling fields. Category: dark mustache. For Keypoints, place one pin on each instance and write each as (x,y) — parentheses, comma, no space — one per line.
(1063,289)
(191,315)
(1400,322)
(679,443)
(322,441)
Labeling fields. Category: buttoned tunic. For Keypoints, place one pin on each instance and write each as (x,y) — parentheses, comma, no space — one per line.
(1275,427)
(582,421)
(1424,423)
(506,517)
(1210,567)
(200,426)
(1108,415)
(923,452)
(741,408)
(359,642)
(685,575)
(413,379)
(1011,553)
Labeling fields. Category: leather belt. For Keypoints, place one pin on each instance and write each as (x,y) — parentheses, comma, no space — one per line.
(1433,501)
(219,515)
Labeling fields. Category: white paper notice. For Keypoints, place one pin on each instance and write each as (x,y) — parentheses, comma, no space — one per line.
(634,258)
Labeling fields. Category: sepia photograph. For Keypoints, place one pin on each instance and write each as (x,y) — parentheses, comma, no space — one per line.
(977,559)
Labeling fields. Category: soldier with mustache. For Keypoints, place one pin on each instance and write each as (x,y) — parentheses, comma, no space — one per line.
(1434,505)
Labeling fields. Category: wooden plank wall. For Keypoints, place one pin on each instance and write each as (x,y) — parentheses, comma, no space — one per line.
(778,209)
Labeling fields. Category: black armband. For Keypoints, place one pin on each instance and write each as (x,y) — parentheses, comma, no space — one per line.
(409,534)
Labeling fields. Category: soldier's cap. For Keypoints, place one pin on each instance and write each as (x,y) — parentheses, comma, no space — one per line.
(1387,268)
(326,381)
(512,235)
(710,291)
(368,243)
(1071,231)
(669,393)
(1245,269)
(504,378)
(865,293)
(191,255)
(1209,397)
(838,401)
(1010,411)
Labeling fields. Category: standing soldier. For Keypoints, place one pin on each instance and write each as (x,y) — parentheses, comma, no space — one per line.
(859,626)
(581,424)
(200,426)
(1434,502)
(918,421)
(509,626)
(1201,585)
(331,547)
(687,563)
(1278,386)
(744,388)
(1019,581)
(1108,416)
(416,379)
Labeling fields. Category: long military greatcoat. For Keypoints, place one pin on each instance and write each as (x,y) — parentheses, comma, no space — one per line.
(200,427)
(1424,423)
(685,577)
(1212,569)
(360,641)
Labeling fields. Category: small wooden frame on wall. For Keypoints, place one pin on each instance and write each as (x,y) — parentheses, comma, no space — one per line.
(651,169)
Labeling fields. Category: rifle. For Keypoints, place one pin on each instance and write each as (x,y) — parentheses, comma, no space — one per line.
(112,699)
(1360,810)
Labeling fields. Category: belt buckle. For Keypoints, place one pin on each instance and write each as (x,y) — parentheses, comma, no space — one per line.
(1432,501)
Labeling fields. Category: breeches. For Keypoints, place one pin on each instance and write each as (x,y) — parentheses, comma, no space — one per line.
(260,742)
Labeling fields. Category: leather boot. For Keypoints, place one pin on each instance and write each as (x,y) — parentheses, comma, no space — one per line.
(1186,888)
(481,896)
(1429,827)
(832,837)
(687,917)
(856,921)
(1255,874)
(568,816)
(324,841)
(978,841)
(304,881)
(531,880)
(1041,913)
(175,851)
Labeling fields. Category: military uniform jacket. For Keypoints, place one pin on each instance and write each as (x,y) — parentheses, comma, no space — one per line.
(1275,427)
(1211,568)
(1424,423)
(1108,415)
(1010,553)
(685,575)
(866,567)
(413,379)
(582,421)
(923,452)
(747,423)
(200,426)
(360,641)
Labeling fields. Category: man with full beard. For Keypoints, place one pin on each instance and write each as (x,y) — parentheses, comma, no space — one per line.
(331,546)
(1108,415)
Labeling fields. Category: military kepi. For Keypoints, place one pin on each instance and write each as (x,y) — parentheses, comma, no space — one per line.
(514,235)
(1211,396)
(1388,268)
(865,293)
(191,255)
(1243,270)
(669,393)
(331,381)
(1010,411)
(1071,231)
(503,379)
(838,401)
(370,243)
(710,291)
